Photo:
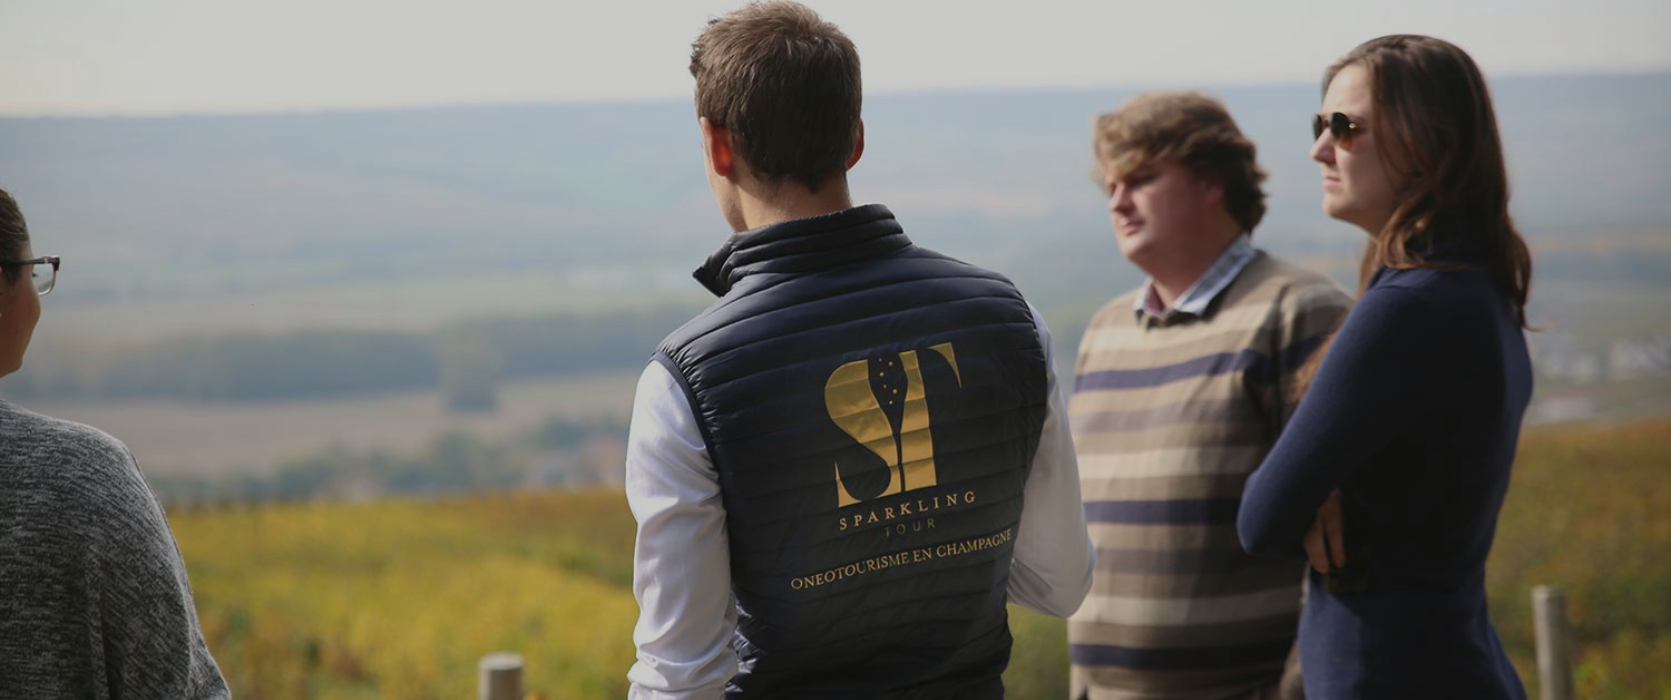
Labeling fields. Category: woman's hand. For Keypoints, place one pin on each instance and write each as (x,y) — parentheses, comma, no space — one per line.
(1325,542)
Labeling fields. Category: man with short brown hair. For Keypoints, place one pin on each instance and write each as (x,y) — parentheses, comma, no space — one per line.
(785,87)
(1181,387)
(846,467)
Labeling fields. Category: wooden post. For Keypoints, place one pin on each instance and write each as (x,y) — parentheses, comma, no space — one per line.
(501,677)
(1549,618)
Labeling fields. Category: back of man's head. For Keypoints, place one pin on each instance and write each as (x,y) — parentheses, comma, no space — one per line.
(785,84)
(1192,129)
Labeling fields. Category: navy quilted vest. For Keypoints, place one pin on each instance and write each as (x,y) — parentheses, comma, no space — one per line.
(872,409)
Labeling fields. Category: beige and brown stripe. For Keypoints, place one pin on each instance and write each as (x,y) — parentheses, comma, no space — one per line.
(1170,416)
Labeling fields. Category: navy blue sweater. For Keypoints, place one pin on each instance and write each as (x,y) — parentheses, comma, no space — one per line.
(1413,417)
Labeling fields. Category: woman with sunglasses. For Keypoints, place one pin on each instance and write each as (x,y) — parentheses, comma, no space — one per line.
(94,600)
(1391,473)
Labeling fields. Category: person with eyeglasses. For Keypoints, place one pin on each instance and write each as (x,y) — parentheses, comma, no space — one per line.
(94,599)
(1182,386)
(1391,474)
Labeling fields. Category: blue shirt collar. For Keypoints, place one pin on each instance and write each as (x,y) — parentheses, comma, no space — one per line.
(1207,287)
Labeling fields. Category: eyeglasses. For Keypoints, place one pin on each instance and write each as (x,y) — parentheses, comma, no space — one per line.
(1338,124)
(43,271)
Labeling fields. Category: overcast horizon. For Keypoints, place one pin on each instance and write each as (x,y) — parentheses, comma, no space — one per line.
(200,57)
(1209,88)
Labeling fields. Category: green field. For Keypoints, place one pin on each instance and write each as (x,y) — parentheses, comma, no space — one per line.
(399,599)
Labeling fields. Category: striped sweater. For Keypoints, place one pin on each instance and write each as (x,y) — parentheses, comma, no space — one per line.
(1170,416)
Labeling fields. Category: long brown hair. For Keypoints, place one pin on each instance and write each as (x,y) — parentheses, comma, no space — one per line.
(1438,134)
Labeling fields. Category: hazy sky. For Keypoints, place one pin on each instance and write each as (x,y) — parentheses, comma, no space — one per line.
(221,56)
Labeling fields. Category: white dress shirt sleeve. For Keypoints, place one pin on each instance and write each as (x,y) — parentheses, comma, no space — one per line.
(681,572)
(1051,572)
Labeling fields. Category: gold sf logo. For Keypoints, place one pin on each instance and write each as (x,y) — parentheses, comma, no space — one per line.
(854,406)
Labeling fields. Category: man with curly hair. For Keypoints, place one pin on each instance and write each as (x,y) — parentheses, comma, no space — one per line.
(1181,387)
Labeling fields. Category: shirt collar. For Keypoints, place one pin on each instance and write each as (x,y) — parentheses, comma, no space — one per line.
(1207,287)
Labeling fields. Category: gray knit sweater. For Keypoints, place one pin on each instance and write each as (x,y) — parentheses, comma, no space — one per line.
(94,601)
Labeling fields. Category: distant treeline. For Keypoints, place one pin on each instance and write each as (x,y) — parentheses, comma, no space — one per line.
(556,453)
(465,359)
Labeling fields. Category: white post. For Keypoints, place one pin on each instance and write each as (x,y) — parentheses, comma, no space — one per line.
(501,677)
(1549,619)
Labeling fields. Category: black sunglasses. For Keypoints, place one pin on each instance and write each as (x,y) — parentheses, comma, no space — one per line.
(1338,124)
